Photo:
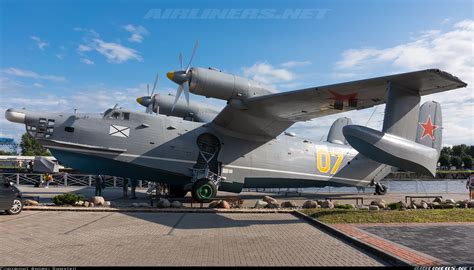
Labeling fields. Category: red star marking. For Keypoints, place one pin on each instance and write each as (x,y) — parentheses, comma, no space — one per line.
(337,96)
(428,128)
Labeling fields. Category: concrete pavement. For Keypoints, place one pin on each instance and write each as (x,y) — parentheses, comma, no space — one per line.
(106,239)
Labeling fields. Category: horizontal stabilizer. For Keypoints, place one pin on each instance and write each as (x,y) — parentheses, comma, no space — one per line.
(391,149)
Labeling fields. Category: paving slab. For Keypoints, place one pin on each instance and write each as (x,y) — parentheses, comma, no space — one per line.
(450,242)
(43,238)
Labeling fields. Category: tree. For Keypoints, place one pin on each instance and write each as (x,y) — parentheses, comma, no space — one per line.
(31,147)
(467,160)
(470,151)
(444,160)
(459,150)
(455,161)
(446,151)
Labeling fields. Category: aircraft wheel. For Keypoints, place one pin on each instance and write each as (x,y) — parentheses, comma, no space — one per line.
(204,190)
(380,189)
(178,192)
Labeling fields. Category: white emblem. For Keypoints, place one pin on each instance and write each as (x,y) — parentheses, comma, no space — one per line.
(119,131)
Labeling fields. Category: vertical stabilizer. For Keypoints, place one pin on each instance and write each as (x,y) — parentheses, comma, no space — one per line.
(401,111)
(335,133)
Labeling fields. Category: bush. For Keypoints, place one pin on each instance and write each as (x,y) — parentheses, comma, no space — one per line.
(68,198)
(343,206)
(394,206)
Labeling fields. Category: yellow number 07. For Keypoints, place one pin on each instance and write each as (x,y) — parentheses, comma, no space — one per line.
(323,160)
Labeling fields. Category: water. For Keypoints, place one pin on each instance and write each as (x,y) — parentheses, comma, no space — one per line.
(396,186)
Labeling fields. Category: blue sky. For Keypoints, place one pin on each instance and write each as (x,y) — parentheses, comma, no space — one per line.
(60,55)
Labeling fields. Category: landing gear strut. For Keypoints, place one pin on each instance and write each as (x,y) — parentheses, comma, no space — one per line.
(206,172)
(380,189)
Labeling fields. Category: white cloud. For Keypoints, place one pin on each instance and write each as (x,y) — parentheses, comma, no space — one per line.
(87,61)
(116,53)
(59,56)
(137,32)
(39,85)
(113,52)
(83,48)
(267,74)
(446,20)
(291,64)
(30,74)
(451,51)
(90,32)
(39,42)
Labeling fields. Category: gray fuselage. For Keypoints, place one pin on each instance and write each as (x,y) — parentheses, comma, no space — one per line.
(164,149)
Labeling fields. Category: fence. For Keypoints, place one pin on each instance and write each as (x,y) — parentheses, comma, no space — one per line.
(65,179)
(394,186)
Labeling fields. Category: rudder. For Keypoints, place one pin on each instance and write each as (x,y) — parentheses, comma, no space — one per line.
(430,131)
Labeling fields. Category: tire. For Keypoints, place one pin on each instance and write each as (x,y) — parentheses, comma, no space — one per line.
(178,192)
(204,191)
(17,206)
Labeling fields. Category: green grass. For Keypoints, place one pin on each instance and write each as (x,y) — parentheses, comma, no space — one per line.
(415,216)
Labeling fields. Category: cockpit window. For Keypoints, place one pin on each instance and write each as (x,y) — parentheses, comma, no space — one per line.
(117,115)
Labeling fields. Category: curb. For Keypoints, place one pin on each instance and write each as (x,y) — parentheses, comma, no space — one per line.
(389,258)
(156,210)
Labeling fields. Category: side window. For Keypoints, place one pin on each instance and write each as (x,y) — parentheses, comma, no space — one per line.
(115,115)
(69,129)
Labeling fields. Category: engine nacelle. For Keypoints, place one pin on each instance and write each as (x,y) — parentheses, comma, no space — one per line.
(216,84)
(199,112)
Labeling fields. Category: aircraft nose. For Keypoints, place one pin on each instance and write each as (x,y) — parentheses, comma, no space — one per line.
(15,116)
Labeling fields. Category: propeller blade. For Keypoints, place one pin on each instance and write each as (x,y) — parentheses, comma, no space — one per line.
(148,89)
(181,61)
(178,93)
(154,85)
(186,91)
(192,55)
(151,104)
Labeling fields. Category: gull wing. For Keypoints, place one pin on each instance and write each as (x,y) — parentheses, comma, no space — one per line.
(267,116)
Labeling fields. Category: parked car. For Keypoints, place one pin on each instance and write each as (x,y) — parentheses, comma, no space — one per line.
(10,198)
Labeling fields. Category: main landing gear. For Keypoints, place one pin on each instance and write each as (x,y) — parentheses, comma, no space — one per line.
(206,172)
(205,186)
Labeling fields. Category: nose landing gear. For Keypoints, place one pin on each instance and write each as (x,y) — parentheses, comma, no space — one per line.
(379,188)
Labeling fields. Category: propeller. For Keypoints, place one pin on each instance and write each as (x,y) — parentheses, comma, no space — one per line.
(182,77)
(149,100)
